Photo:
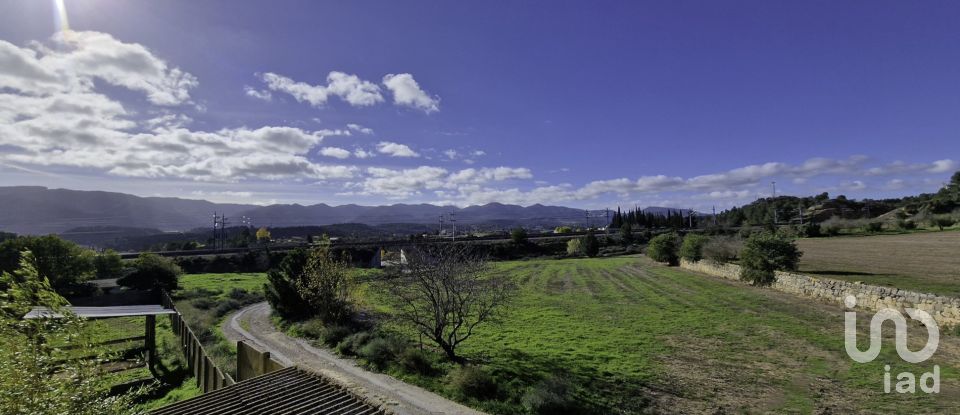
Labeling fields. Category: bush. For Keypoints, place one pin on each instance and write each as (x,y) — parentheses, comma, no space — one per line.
(874,227)
(553,395)
(152,271)
(722,249)
(692,247)
(473,382)
(663,248)
(226,307)
(334,334)
(282,287)
(942,222)
(108,265)
(203,303)
(415,360)
(832,230)
(765,253)
(574,247)
(906,225)
(811,230)
(352,344)
(518,236)
(626,234)
(380,351)
(590,245)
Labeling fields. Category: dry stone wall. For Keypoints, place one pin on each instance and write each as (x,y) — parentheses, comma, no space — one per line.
(945,310)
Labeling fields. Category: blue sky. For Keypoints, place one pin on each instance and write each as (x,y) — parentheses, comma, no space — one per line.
(585,104)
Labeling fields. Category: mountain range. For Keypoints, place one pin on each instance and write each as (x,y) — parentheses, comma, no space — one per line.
(39,210)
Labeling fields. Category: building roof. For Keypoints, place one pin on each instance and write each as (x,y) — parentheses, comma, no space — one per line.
(104,312)
(285,391)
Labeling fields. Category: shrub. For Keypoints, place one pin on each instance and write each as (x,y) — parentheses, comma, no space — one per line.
(333,334)
(227,306)
(811,230)
(765,253)
(552,395)
(519,236)
(692,247)
(832,230)
(590,245)
(282,286)
(378,351)
(152,271)
(352,344)
(473,382)
(574,247)
(663,248)
(906,225)
(203,303)
(874,227)
(415,360)
(942,222)
(721,249)
(312,328)
(626,234)
(108,265)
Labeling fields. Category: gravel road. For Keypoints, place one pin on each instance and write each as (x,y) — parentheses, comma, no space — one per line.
(253,325)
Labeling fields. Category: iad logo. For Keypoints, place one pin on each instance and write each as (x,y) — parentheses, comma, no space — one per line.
(906,381)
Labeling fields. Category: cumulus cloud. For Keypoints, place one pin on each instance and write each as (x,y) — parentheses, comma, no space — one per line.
(396,149)
(451,154)
(360,129)
(943,166)
(336,152)
(406,92)
(349,88)
(361,153)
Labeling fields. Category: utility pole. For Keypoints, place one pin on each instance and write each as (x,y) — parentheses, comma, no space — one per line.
(453,219)
(714,215)
(690,217)
(774,202)
(216,222)
(223,232)
(441,226)
(607,227)
(586,214)
(800,213)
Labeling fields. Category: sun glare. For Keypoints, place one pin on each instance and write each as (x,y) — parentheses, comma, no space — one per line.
(63,24)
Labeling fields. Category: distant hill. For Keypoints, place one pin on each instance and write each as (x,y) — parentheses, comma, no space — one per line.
(39,210)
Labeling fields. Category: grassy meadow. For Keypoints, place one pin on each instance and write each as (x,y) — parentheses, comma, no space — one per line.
(921,261)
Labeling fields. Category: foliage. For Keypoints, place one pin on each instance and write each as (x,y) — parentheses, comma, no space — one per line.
(811,229)
(325,286)
(906,224)
(551,396)
(38,375)
(763,253)
(63,263)
(518,236)
(444,292)
(562,229)
(874,227)
(473,382)
(574,247)
(415,360)
(626,234)
(692,247)
(589,245)
(663,248)
(380,351)
(721,249)
(942,222)
(108,265)
(282,287)
(152,271)
(263,234)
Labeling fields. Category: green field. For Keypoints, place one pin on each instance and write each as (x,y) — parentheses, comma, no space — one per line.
(635,336)
(923,261)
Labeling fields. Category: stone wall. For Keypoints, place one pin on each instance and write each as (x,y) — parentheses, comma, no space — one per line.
(945,310)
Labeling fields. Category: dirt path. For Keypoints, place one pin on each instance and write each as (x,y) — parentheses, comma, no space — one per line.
(398,396)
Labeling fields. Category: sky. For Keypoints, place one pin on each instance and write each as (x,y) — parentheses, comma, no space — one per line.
(690,104)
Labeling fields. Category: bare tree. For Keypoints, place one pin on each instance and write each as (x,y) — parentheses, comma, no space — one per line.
(446,291)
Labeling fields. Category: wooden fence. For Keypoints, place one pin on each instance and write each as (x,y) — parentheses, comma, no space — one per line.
(209,377)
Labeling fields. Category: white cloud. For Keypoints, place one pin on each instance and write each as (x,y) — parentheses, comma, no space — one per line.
(943,166)
(349,88)
(479,153)
(77,59)
(396,149)
(257,94)
(360,129)
(336,152)
(407,92)
(451,154)
(361,153)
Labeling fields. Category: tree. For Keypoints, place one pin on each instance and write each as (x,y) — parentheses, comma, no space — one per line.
(263,235)
(763,254)
(44,364)
(519,236)
(663,248)
(590,245)
(445,292)
(574,247)
(108,265)
(282,286)
(63,263)
(326,285)
(562,229)
(942,222)
(692,247)
(626,234)
(152,271)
